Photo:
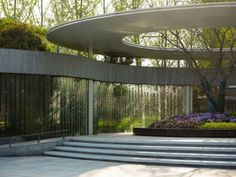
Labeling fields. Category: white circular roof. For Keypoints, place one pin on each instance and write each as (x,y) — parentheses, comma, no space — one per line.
(104,33)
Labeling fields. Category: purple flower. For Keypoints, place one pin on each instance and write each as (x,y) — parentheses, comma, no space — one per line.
(233,119)
(203,117)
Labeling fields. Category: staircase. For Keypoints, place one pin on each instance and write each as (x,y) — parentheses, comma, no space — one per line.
(143,151)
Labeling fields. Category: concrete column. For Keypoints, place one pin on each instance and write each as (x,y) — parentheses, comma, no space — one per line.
(188,97)
(163,96)
(90,99)
(188,100)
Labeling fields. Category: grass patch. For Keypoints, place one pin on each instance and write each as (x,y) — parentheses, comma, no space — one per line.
(219,125)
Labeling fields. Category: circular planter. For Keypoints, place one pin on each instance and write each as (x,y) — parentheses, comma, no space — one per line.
(184,132)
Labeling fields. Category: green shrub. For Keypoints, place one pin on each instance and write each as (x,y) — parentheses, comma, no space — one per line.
(233,114)
(2,124)
(106,125)
(125,124)
(120,90)
(219,125)
(4,22)
(17,35)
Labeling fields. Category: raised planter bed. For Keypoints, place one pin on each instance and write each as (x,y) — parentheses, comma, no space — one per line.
(177,132)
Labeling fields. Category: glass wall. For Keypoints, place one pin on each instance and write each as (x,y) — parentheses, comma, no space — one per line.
(120,107)
(38,103)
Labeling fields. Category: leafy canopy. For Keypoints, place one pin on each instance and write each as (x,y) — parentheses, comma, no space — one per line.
(17,35)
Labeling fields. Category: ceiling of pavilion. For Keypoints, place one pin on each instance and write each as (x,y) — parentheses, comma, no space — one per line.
(104,33)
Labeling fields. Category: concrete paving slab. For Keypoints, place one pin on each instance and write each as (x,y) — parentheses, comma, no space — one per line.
(38,166)
(116,137)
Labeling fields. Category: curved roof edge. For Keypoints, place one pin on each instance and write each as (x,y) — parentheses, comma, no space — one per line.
(104,33)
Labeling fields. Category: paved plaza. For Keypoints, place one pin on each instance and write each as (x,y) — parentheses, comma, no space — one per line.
(46,166)
(43,166)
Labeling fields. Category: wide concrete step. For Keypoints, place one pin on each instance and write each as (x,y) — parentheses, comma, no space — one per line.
(148,154)
(157,148)
(143,160)
(172,142)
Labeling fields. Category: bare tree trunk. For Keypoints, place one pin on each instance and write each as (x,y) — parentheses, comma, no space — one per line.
(76,9)
(41,23)
(15,9)
(221,96)
(214,106)
(81,9)
(104,6)
(211,103)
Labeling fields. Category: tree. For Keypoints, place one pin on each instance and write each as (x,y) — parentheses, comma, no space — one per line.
(123,5)
(67,10)
(118,60)
(18,9)
(18,35)
(219,44)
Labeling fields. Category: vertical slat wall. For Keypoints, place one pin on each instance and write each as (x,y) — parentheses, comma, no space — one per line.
(39,103)
(119,107)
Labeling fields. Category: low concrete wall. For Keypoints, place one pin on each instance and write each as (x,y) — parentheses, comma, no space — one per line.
(184,132)
(29,148)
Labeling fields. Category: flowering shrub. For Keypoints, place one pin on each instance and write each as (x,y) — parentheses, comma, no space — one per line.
(172,123)
(206,117)
(232,119)
(193,120)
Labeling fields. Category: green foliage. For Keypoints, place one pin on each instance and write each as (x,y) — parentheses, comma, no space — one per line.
(119,60)
(66,10)
(121,5)
(2,124)
(125,124)
(4,22)
(219,125)
(105,125)
(233,114)
(18,35)
(24,9)
(120,90)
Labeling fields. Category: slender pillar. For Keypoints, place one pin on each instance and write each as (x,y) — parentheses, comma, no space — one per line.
(191,99)
(90,99)
(188,97)
(164,110)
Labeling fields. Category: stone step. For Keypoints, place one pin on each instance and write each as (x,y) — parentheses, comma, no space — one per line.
(172,142)
(148,154)
(143,160)
(210,150)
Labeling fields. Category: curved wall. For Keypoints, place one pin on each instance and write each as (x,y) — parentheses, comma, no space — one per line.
(44,91)
(32,62)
